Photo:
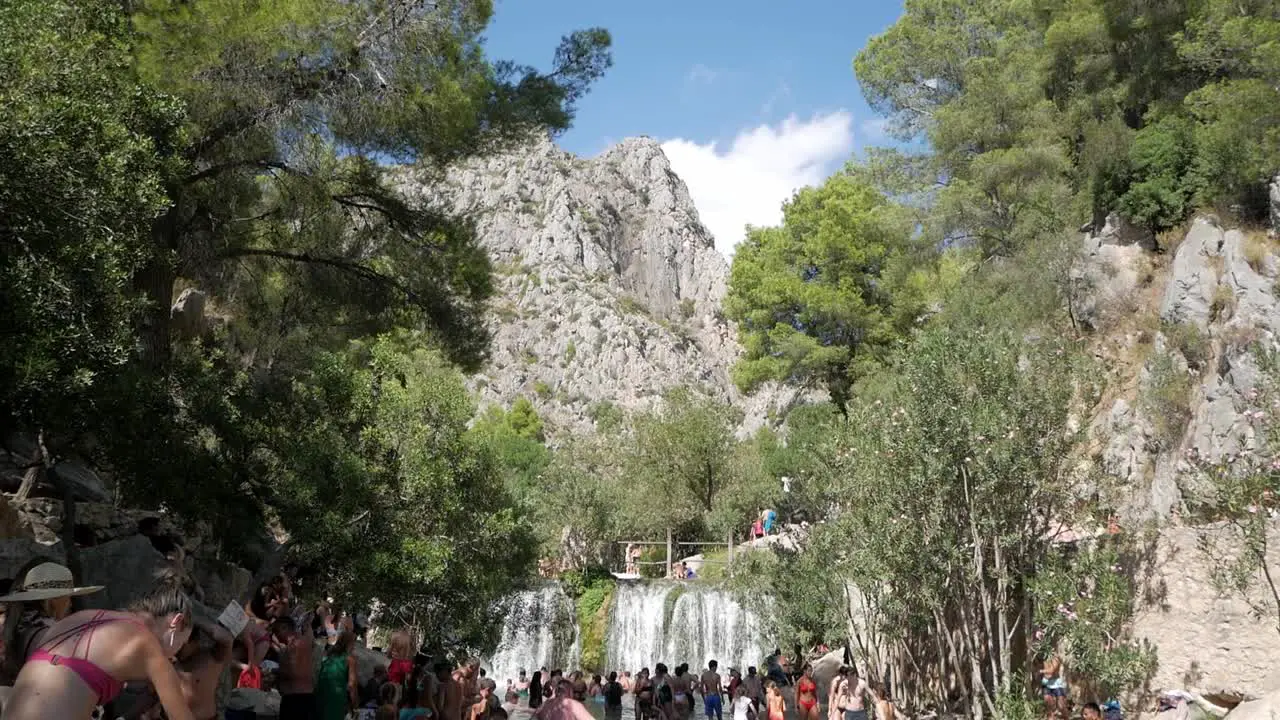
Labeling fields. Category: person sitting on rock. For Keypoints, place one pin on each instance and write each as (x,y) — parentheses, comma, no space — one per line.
(43,598)
(84,660)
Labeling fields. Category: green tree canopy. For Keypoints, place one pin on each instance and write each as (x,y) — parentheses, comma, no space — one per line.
(821,299)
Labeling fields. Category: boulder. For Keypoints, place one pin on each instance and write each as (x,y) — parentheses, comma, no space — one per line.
(187,314)
(1119,231)
(221,581)
(84,483)
(128,568)
(366,661)
(1264,708)
(1104,281)
(1194,279)
(16,552)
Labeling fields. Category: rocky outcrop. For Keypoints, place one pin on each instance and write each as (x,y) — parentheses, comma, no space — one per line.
(1178,331)
(610,287)
(1184,385)
(1204,639)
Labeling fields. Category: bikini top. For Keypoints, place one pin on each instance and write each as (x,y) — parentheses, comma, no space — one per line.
(100,681)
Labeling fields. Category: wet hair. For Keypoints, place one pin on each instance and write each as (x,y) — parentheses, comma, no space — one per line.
(498,712)
(808,667)
(751,670)
(1092,706)
(660,669)
(441,667)
(513,697)
(713,664)
(165,599)
(613,677)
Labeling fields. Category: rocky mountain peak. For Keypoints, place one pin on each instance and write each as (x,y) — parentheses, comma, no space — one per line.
(610,287)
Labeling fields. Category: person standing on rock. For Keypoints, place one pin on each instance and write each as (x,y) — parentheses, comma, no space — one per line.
(200,663)
(297,670)
(712,702)
(84,660)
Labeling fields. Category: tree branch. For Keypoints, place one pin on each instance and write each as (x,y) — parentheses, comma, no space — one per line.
(223,167)
(347,266)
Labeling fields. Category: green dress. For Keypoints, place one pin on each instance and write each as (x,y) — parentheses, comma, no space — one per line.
(332,700)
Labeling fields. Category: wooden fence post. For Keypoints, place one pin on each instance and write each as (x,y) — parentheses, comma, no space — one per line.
(668,552)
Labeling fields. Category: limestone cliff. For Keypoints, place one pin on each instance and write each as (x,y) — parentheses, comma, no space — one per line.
(1176,325)
(610,288)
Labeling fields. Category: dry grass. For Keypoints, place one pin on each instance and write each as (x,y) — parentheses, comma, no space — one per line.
(1257,245)
(1224,302)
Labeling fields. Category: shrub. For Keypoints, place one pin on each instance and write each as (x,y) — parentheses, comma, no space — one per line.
(1224,302)
(1160,157)
(529,357)
(542,390)
(570,352)
(605,415)
(1191,342)
(1166,401)
(687,308)
(632,306)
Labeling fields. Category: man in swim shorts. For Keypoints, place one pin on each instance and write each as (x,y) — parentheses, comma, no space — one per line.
(712,703)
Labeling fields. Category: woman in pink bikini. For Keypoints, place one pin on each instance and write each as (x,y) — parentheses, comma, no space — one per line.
(85,659)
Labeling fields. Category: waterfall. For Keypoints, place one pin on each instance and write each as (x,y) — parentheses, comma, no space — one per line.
(675,622)
(540,630)
(649,622)
(637,622)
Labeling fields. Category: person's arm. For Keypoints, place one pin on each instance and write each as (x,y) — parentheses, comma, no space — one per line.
(164,678)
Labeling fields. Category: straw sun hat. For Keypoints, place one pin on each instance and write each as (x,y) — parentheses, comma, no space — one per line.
(47,581)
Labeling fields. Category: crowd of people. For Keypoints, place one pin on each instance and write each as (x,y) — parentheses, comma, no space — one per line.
(676,693)
(161,657)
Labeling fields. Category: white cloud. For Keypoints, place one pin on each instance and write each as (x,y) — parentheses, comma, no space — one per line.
(747,183)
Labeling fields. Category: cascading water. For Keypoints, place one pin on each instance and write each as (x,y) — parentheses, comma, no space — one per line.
(649,622)
(540,630)
(674,623)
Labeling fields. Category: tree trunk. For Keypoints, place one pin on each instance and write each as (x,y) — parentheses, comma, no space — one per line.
(155,281)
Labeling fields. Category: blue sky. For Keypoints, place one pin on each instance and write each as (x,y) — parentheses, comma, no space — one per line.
(751,99)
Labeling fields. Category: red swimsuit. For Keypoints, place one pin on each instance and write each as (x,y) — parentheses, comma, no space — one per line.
(806,687)
(100,681)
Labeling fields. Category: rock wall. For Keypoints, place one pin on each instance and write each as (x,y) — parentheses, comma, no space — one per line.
(609,285)
(114,553)
(1177,329)
(1205,640)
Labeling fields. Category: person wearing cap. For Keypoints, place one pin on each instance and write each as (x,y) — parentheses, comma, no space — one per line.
(44,597)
